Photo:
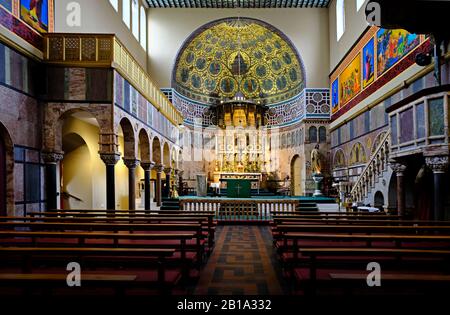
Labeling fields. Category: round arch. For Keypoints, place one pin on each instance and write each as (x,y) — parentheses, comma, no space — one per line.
(6,172)
(296,187)
(339,160)
(129,142)
(166,155)
(144,146)
(156,150)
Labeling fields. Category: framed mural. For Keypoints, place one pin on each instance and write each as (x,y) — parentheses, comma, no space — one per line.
(393,45)
(335,96)
(7,4)
(369,63)
(35,14)
(350,81)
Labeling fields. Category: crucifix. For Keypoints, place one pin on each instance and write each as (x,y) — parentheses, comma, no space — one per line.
(238,187)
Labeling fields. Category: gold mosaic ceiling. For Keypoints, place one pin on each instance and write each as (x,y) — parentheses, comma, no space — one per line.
(238,54)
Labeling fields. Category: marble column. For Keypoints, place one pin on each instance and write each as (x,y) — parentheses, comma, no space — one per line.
(399,170)
(131,164)
(168,172)
(51,160)
(147,166)
(159,168)
(439,165)
(110,160)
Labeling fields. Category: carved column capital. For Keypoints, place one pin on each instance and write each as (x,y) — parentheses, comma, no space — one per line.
(180,173)
(147,166)
(110,158)
(159,168)
(397,167)
(131,163)
(168,170)
(52,157)
(176,171)
(438,164)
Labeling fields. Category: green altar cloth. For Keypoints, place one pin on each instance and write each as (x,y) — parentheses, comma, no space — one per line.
(238,188)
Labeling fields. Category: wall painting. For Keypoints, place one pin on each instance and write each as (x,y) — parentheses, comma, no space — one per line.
(369,63)
(35,14)
(350,81)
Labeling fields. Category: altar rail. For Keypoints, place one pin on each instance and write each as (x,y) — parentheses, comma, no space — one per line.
(240,209)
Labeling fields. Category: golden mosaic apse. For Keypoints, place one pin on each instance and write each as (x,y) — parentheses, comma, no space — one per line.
(238,54)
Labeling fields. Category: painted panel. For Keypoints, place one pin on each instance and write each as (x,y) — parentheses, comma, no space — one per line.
(335,96)
(420,121)
(393,45)
(7,4)
(436,116)
(369,63)
(406,126)
(35,14)
(350,81)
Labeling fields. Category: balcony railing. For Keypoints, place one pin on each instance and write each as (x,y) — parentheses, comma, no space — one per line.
(105,50)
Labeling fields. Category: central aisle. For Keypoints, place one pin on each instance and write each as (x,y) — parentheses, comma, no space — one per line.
(243,263)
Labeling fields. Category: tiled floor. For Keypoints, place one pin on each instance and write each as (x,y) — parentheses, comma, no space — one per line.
(243,263)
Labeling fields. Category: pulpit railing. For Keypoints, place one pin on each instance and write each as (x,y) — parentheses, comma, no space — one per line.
(239,209)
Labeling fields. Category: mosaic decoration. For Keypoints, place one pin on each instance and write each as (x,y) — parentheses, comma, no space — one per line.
(17,27)
(392,45)
(232,55)
(35,14)
(7,4)
(369,63)
(335,96)
(237,4)
(350,80)
(311,104)
(129,99)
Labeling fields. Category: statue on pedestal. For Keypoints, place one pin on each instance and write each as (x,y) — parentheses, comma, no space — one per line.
(316,160)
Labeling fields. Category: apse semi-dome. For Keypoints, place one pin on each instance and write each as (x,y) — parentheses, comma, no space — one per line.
(234,55)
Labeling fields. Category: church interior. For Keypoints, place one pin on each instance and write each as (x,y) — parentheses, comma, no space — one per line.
(212,147)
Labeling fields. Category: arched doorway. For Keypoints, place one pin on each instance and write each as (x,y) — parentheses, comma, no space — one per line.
(296,189)
(76,181)
(2,177)
(379,200)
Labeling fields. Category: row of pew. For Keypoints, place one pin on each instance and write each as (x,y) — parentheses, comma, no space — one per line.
(120,253)
(362,253)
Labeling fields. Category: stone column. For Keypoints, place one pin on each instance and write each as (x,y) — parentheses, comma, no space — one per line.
(159,168)
(175,181)
(399,170)
(131,164)
(439,165)
(147,166)
(51,160)
(110,159)
(168,172)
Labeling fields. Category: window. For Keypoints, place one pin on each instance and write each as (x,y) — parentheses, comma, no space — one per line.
(115,4)
(313,134)
(144,29)
(135,15)
(126,12)
(359,4)
(340,18)
(322,135)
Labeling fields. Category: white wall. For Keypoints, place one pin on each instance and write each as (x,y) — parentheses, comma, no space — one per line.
(98,16)
(306,28)
(355,24)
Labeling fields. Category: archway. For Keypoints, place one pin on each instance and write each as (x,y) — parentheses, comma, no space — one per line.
(166,155)
(296,189)
(379,200)
(82,173)
(156,150)
(76,181)
(6,172)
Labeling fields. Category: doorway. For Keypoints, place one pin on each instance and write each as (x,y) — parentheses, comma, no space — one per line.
(296,189)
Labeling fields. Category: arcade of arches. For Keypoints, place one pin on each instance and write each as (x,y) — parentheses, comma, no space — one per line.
(240,112)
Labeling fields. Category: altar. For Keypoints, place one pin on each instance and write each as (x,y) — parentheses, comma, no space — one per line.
(225,178)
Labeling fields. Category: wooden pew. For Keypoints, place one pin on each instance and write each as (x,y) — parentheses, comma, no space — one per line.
(338,217)
(27,256)
(48,282)
(278,221)
(318,213)
(323,256)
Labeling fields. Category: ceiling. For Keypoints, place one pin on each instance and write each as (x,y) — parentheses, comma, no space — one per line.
(238,3)
(234,55)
